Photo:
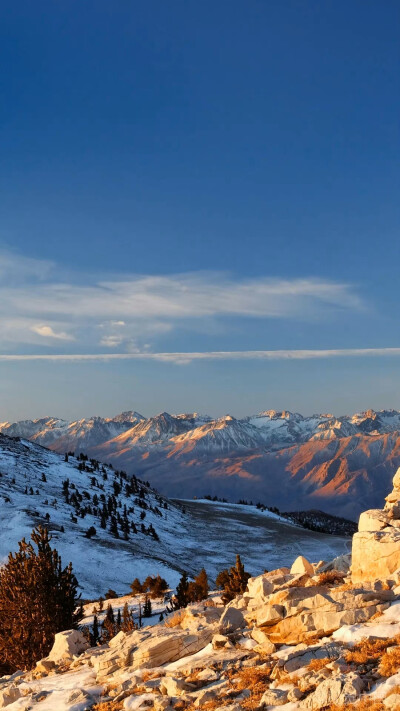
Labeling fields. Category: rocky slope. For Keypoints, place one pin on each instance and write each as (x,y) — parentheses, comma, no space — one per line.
(341,465)
(317,636)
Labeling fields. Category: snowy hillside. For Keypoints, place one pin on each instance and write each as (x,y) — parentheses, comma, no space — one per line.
(341,465)
(137,531)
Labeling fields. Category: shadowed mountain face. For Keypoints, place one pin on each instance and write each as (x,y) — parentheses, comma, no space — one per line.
(341,465)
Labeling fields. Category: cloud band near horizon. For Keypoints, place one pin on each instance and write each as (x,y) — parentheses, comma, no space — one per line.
(185,358)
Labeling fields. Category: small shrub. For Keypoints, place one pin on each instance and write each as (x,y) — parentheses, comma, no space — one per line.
(331,577)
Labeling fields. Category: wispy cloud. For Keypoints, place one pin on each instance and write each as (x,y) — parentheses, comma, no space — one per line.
(47,332)
(184,358)
(38,302)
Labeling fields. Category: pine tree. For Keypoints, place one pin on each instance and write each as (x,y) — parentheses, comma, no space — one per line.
(128,623)
(136,587)
(198,589)
(235,582)
(38,598)
(147,609)
(95,632)
(182,592)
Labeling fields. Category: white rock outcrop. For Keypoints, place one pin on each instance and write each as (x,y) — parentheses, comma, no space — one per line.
(376,545)
(67,645)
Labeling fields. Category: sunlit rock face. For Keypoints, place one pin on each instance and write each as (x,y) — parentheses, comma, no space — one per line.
(376,546)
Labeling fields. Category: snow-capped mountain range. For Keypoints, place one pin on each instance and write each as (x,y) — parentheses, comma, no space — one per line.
(339,464)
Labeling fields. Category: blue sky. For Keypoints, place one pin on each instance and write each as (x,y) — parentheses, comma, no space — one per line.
(197,178)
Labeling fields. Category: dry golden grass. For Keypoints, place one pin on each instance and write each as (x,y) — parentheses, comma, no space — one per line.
(317,664)
(108,706)
(345,586)
(175,619)
(331,577)
(390,662)
(368,650)
(365,704)
(254,679)
(151,674)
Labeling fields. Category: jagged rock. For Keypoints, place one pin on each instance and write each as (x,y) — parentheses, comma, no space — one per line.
(274,697)
(264,644)
(342,564)
(373,520)
(269,615)
(198,615)
(9,695)
(392,702)
(79,696)
(207,675)
(68,645)
(219,641)
(45,665)
(148,649)
(295,694)
(342,690)
(301,566)
(209,693)
(231,620)
(302,655)
(137,703)
(171,686)
(306,612)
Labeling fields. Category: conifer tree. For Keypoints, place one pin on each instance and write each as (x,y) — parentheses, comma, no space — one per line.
(147,609)
(182,592)
(95,632)
(198,589)
(128,623)
(235,581)
(38,598)
(136,587)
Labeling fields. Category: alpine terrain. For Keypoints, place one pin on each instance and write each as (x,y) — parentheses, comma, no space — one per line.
(341,465)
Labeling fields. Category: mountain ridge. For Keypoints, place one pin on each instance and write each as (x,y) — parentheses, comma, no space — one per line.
(339,464)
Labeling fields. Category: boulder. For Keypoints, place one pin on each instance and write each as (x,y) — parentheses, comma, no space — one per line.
(231,620)
(373,520)
(301,566)
(264,644)
(392,702)
(174,687)
(9,695)
(341,563)
(342,690)
(375,555)
(45,665)
(269,615)
(274,697)
(209,693)
(219,641)
(149,648)
(67,645)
